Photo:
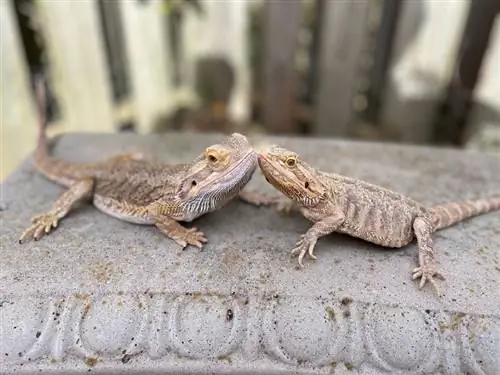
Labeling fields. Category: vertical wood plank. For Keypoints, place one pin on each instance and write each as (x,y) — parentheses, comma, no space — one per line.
(220,31)
(418,75)
(450,126)
(382,55)
(147,48)
(78,64)
(342,37)
(17,111)
(279,78)
(485,115)
(115,47)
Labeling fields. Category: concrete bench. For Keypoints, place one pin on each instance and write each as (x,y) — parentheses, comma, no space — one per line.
(108,297)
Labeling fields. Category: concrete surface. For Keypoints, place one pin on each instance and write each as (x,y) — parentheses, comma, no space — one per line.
(105,296)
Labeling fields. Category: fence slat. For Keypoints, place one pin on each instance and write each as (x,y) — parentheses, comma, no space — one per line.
(17,112)
(474,44)
(424,53)
(279,78)
(220,31)
(147,48)
(342,36)
(78,64)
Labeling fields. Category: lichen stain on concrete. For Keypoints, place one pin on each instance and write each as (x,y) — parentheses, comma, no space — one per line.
(231,259)
(91,361)
(101,271)
(331,313)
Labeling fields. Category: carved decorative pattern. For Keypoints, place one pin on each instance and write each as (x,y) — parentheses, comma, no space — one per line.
(279,331)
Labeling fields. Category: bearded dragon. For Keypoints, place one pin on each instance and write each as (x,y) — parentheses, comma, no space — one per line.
(134,189)
(336,203)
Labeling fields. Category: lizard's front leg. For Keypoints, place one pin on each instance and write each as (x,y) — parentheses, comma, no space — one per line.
(423,229)
(256,198)
(286,206)
(321,228)
(183,236)
(44,223)
(175,231)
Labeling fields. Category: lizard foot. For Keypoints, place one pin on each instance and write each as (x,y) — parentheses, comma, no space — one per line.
(42,224)
(284,206)
(185,236)
(257,199)
(428,272)
(305,245)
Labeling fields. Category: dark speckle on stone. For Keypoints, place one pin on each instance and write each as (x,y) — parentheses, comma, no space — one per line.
(38,334)
(346,301)
(446,175)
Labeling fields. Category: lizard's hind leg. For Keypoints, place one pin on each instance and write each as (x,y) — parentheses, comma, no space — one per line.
(423,230)
(44,223)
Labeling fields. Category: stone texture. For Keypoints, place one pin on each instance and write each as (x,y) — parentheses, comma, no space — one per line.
(105,296)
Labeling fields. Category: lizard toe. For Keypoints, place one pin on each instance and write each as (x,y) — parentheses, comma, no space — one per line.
(42,224)
(428,274)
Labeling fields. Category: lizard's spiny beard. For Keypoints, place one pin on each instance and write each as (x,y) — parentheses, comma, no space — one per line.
(223,190)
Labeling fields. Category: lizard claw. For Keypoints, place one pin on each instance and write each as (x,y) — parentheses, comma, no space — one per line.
(191,237)
(428,272)
(42,224)
(303,246)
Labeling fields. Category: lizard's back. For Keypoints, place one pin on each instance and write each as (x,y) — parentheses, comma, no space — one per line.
(137,182)
(373,213)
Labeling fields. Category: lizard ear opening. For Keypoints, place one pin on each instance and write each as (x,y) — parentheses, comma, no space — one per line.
(306,185)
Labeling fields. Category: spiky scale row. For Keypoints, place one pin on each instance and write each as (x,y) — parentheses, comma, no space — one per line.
(336,203)
(134,189)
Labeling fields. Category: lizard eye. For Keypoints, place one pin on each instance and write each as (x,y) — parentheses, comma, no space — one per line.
(291,161)
(212,158)
(193,183)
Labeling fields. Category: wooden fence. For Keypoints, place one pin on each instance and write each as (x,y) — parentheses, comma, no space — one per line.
(411,71)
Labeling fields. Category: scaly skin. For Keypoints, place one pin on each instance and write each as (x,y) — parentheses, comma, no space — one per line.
(136,190)
(336,203)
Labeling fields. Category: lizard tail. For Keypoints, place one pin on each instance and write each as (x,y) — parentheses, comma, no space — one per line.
(53,168)
(448,214)
(42,148)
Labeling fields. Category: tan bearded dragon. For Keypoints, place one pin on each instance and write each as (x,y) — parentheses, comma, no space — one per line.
(336,203)
(141,191)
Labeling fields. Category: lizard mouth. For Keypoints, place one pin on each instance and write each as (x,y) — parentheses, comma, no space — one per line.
(287,182)
(270,171)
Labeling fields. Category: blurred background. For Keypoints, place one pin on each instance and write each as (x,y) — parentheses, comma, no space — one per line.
(415,72)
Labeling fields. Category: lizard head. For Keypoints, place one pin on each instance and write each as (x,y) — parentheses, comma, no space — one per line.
(293,177)
(218,174)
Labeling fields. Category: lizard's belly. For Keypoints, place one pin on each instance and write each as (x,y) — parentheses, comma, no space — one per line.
(122,210)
